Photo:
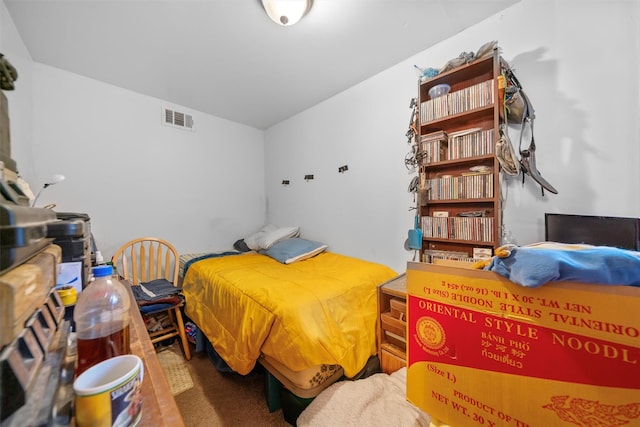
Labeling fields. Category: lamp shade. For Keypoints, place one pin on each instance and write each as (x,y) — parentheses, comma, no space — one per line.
(55,179)
(286,12)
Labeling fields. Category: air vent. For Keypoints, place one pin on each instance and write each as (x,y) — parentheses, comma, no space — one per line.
(177,119)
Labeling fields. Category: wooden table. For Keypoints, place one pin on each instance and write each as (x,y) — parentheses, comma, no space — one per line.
(53,385)
(158,405)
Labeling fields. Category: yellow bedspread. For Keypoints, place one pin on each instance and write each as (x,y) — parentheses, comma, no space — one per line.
(318,311)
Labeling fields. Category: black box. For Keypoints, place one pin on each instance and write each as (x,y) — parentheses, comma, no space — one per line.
(292,405)
(72,232)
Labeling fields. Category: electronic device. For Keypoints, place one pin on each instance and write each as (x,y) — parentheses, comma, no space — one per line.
(618,232)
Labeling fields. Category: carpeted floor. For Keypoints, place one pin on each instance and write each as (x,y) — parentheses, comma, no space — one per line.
(219,399)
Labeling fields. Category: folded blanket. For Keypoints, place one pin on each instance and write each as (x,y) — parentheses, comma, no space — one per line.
(201,256)
(537,264)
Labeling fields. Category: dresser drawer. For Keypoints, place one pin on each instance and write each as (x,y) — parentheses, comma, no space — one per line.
(391,362)
(393,325)
(396,340)
(398,309)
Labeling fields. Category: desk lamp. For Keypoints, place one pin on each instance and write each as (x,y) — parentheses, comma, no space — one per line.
(55,179)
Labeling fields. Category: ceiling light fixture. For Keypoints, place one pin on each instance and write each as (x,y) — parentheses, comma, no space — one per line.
(286,12)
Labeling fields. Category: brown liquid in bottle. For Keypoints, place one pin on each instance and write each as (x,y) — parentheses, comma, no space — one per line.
(95,350)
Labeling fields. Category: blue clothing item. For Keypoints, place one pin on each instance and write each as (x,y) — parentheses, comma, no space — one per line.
(152,308)
(533,266)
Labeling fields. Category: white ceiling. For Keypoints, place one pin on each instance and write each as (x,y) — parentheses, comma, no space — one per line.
(226,58)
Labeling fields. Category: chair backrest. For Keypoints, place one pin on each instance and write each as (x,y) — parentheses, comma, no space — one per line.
(146,259)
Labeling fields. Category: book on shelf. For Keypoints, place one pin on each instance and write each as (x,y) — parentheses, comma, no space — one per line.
(482,253)
(462,133)
(438,135)
(444,257)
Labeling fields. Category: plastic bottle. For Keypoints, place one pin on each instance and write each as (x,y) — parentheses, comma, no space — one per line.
(102,320)
(99,258)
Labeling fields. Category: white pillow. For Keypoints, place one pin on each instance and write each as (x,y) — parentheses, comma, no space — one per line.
(268,235)
(252,240)
(268,239)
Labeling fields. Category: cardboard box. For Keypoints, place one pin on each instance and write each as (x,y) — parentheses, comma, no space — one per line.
(453,263)
(70,274)
(483,351)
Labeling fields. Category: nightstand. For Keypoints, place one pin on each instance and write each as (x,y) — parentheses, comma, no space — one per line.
(392,324)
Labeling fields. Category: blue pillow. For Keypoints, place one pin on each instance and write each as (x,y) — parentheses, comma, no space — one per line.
(288,251)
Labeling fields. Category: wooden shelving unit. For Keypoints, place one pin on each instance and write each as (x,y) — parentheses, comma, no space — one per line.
(459,208)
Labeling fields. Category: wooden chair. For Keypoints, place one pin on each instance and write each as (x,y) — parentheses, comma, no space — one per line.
(150,258)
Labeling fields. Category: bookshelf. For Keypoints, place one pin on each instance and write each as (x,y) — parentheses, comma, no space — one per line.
(458,201)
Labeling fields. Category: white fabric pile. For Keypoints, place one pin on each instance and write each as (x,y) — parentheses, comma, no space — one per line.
(379,400)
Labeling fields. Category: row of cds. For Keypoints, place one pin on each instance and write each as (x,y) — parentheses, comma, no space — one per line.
(466,186)
(438,146)
(433,256)
(470,98)
(479,229)
(441,257)
(433,259)
(433,147)
(471,143)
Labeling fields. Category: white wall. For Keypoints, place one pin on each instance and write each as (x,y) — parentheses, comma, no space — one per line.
(578,62)
(211,188)
(132,175)
(364,211)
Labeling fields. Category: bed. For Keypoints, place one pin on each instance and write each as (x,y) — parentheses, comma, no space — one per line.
(309,322)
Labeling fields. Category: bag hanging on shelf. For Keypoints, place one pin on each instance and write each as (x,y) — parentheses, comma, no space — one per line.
(518,109)
(415,235)
(506,154)
(515,104)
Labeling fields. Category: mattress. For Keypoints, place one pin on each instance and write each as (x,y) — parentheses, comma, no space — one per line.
(306,383)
